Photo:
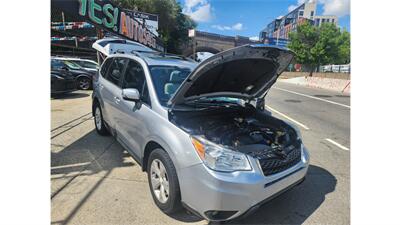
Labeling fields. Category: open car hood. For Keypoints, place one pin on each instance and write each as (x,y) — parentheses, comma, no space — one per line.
(245,72)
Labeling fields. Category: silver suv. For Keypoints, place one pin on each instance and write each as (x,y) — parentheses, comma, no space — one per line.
(200,131)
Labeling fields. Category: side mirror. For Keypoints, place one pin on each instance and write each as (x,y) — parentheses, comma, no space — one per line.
(131,94)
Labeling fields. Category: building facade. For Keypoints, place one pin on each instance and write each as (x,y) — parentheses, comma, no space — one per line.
(277,32)
(318,20)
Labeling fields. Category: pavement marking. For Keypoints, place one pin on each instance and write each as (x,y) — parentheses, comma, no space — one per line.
(337,144)
(309,96)
(287,117)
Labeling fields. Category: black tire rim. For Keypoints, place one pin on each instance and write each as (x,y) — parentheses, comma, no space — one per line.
(84,83)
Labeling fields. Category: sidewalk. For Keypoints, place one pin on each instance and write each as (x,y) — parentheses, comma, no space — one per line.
(340,85)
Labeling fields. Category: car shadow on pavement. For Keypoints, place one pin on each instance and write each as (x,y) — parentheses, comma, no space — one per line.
(297,204)
(89,155)
(185,216)
(70,95)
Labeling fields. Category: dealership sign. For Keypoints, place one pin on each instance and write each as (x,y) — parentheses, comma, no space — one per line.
(150,21)
(104,15)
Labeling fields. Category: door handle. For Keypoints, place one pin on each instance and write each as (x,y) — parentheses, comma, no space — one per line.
(117,100)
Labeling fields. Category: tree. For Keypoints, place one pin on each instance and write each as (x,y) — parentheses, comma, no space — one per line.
(173,24)
(344,48)
(316,46)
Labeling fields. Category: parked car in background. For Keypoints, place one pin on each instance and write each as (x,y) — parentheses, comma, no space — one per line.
(87,64)
(82,76)
(200,131)
(62,82)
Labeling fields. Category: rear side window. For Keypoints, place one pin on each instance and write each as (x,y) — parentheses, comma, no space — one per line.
(116,70)
(105,67)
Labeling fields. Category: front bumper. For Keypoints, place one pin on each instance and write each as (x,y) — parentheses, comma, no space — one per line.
(241,192)
(63,86)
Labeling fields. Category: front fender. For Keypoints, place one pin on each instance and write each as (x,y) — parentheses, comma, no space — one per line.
(84,75)
(176,143)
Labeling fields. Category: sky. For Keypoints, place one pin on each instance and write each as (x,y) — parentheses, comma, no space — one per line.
(249,17)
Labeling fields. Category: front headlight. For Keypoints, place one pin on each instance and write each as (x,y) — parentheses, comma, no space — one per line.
(218,158)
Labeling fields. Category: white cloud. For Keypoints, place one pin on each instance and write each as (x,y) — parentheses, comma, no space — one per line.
(254,38)
(237,26)
(198,10)
(338,8)
(193,3)
(291,8)
(299,2)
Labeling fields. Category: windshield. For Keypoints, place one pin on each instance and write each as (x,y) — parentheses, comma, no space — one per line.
(166,80)
(72,65)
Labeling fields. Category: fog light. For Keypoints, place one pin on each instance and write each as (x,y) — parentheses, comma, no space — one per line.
(219,215)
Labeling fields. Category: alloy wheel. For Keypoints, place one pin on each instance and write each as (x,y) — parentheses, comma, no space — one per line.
(159,180)
(97,118)
(84,84)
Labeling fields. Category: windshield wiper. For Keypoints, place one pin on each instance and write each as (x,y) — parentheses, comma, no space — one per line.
(212,103)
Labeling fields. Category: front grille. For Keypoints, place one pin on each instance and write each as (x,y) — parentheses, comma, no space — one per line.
(275,165)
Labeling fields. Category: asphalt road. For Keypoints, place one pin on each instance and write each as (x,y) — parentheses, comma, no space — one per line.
(95,181)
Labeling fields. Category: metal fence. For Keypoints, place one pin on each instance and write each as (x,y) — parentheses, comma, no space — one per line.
(335,68)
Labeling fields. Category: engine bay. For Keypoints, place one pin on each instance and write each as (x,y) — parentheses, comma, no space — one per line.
(256,134)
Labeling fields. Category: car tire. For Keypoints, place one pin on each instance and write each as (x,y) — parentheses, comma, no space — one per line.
(84,83)
(99,121)
(173,202)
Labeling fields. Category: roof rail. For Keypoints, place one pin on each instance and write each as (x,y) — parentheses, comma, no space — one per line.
(139,53)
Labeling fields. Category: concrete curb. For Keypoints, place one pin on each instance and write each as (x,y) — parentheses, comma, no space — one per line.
(321,82)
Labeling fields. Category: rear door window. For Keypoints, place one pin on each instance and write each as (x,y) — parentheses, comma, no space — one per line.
(116,70)
(105,66)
